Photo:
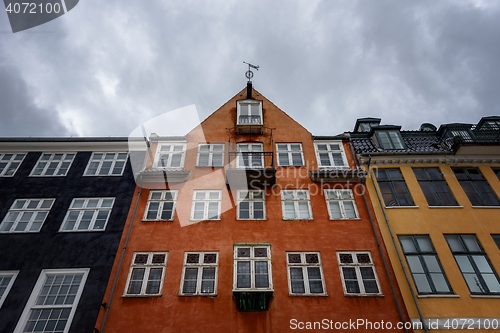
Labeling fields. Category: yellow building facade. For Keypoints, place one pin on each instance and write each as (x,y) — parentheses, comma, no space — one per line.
(436,195)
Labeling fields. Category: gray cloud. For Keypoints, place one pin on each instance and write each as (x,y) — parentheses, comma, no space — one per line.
(105,67)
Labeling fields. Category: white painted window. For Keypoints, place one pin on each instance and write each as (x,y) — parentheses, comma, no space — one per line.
(358,273)
(249,112)
(252,267)
(341,204)
(146,274)
(53,302)
(296,205)
(26,215)
(161,206)
(330,154)
(170,155)
(199,276)
(56,164)
(251,205)
(305,274)
(7,279)
(88,214)
(250,155)
(206,205)
(9,163)
(106,164)
(290,154)
(210,155)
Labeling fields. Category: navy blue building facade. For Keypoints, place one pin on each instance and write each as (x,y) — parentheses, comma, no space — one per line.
(63,207)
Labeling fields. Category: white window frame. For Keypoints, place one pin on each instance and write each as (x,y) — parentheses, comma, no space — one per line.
(249,196)
(31,304)
(251,157)
(206,204)
(49,161)
(7,274)
(171,152)
(100,161)
(201,266)
(147,269)
(82,210)
(211,152)
(15,158)
(289,153)
(304,265)
(295,200)
(331,152)
(24,210)
(252,259)
(341,196)
(356,265)
(244,106)
(161,202)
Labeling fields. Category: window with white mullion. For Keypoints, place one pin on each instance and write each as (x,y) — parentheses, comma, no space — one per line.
(146,274)
(106,164)
(358,273)
(252,268)
(249,112)
(88,214)
(305,274)
(9,163)
(199,275)
(341,204)
(210,155)
(290,154)
(56,164)
(161,206)
(296,205)
(206,205)
(26,215)
(251,205)
(7,279)
(250,156)
(330,154)
(170,155)
(53,302)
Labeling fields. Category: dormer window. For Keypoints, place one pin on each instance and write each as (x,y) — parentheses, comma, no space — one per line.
(249,112)
(170,155)
(389,139)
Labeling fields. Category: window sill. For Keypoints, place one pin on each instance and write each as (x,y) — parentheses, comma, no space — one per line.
(140,296)
(445,206)
(172,220)
(307,295)
(354,219)
(209,166)
(204,220)
(73,231)
(399,207)
(297,220)
(102,175)
(439,296)
(363,295)
(198,295)
(291,166)
(487,207)
(485,296)
(238,219)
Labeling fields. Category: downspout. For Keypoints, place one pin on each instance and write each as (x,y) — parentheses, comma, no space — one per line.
(127,238)
(379,246)
(401,262)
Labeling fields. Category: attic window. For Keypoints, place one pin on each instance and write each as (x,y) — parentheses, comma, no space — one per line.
(365,127)
(249,112)
(389,139)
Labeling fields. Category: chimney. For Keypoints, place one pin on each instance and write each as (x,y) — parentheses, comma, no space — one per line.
(249,90)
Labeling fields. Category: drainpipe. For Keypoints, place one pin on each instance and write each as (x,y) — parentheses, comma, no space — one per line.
(401,262)
(379,246)
(127,238)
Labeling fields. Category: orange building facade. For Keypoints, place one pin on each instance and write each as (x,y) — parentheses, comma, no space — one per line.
(251,224)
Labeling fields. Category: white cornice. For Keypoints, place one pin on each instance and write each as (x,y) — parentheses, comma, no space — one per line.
(429,159)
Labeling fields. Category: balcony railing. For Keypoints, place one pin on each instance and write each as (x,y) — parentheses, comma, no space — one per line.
(250,169)
(250,124)
(455,135)
(250,120)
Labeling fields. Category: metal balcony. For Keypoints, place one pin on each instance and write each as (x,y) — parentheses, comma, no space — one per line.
(250,124)
(463,136)
(250,170)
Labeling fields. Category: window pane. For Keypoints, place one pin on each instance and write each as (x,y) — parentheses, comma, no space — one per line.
(243,274)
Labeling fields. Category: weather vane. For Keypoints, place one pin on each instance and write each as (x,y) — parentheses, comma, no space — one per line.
(249,73)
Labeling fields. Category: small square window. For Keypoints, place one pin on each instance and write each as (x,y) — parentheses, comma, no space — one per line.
(249,112)
(358,273)
(305,274)
(330,154)
(161,206)
(390,139)
(170,155)
(88,214)
(206,205)
(296,205)
(290,154)
(26,215)
(251,205)
(199,276)
(341,204)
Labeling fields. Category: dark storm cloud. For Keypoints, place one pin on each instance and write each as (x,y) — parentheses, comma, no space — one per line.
(108,66)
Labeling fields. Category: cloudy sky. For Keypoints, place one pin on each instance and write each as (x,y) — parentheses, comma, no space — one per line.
(107,66)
